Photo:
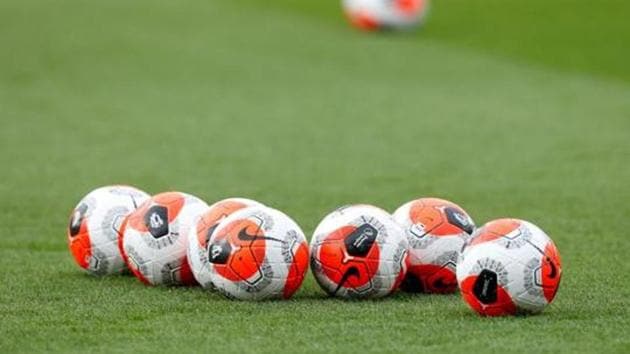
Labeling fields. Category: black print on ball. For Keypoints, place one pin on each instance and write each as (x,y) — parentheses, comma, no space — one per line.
(360,241)
(455,217)
(219,253)
(156,220)
(485,288)
(351,272)
(77,219)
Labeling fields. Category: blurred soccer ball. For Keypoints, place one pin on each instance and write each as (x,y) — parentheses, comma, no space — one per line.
(359,252)
(155,238)
(385,14)
(198,256)
(510,266)
(94,227)
(436,230)
(257,253)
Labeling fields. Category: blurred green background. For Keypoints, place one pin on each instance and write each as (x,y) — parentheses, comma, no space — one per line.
(509,108)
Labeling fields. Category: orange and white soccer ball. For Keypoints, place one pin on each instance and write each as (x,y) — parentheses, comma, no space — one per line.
(198,256)
(94,227)
(359,251)
(509,266)
(437,231)
(155,238)
(385,14)
(257,253)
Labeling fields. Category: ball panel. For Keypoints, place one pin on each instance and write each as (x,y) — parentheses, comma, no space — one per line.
(430,278)
(81,246)
(485,296)
(536,237)
(219,211)
(238,249)
(155,215)
(354,252)
(297,270)
(186,276)
(440,217)
(551,272)
(134,261)
(120,242)
(494,230)
(79,236)
(403,268)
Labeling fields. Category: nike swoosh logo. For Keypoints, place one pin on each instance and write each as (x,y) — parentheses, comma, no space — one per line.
(552,274)
(352,271)
(243,235)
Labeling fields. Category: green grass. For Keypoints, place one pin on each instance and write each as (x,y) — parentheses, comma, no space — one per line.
(285,104)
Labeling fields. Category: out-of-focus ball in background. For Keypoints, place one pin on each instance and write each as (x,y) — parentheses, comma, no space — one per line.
(385,14)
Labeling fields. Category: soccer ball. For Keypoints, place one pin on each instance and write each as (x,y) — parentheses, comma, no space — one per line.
(95,224)
(385,14)
(436,230)
(359,251)
(257,253)
(155,238)
(200,235)
(509,267)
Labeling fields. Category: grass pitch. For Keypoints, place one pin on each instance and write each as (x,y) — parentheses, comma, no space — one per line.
(508,108)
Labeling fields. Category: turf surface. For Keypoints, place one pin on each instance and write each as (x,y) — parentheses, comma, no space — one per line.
(283,103)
